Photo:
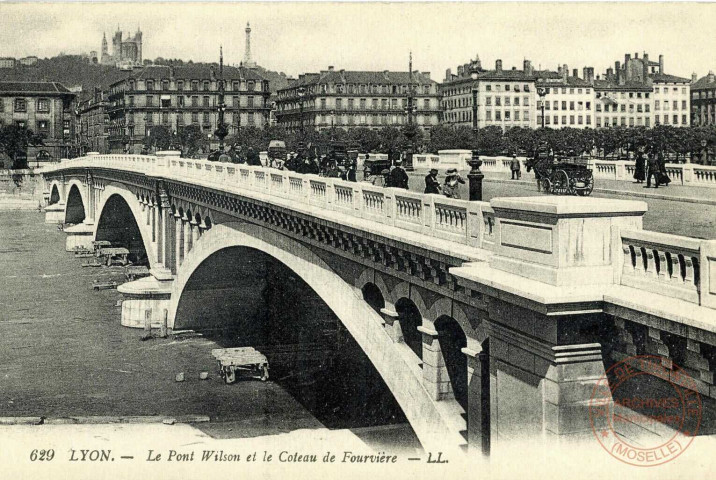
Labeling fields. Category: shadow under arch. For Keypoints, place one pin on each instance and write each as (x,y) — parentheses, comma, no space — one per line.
(410,319)
(54,195)
(364,325)
(373,296)
(74,208)
(452,340)
(118,224)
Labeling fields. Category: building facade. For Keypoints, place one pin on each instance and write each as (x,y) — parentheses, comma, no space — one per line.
(7,62)
(567,101)
(126,51)
(93,128)
(350,99)
(28,61)
(703,100)
(499,97)
(46,108)
(175,97)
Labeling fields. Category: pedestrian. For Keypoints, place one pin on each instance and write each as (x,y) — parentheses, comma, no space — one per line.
(431,181)
(352,174)
(252,158)
(663,174)
(653,171)
(451,187)
(640,168)
(515,168)
(398,177)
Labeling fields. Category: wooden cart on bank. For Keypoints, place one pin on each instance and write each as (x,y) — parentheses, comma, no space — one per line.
(244,361)
(114,255)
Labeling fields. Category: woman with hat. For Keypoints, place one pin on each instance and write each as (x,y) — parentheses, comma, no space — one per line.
(451,187)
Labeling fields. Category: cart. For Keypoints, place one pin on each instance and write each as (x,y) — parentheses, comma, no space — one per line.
(376,171)
(115,255)
(244,361)
(563,175)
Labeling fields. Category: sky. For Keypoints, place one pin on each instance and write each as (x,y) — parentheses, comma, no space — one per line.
(308,37)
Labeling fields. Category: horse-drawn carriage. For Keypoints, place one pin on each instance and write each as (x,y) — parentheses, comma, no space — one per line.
(567,175)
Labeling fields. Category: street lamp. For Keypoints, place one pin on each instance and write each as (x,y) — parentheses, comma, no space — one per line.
(221,130)
(301,93)
(475,177)
(542,92)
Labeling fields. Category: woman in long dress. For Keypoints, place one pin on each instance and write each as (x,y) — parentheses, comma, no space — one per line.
(640,169)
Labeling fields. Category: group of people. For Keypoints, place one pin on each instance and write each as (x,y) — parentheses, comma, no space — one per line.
(654,166)
(450,187)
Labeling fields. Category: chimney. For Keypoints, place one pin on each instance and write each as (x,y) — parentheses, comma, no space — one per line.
(527,67)
(627,57)
(636,54)
(711,76)
(610,73)
(514,69)
(498,65)
(590,75)
(694,77)
(426,75)
(565,72)
(661,64)
(448,74)
(460,70)
(330,68)
(575,73)
(559,70)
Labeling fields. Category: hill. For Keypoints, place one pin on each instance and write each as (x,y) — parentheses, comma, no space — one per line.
(73,70)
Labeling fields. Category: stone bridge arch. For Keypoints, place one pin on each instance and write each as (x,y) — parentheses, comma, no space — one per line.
(76,206)
(362,322)
(55,196)
(140,216)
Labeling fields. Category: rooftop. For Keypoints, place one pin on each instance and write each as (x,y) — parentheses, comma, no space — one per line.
(33,87)
(708,81)
(361,77)
(191,72)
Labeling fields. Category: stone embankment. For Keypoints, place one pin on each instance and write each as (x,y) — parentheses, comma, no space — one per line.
(20,190)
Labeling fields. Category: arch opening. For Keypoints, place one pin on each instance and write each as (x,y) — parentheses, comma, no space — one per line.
(54,195)
(118,226)
(410,319)
(75,209)
(452,340)
(373,296)
(241,296)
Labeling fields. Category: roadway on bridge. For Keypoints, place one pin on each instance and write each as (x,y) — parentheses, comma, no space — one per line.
(666,216)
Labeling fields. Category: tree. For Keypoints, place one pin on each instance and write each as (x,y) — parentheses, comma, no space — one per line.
(14,141)
(489,140)
(367,139)
(391,140)
(159,138)
(192,139)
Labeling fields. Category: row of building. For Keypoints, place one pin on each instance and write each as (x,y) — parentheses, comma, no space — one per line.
(635,93)
(12,62)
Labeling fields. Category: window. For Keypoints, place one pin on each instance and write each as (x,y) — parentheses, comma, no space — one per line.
(676,104)
(180,100)
(683,104)
(339,103)
(571,119)
(165,84)
(580,105)
(498,116)
(43,105)
(150,118)
(571,105)
(165,102)
(507,101)
(498,101)
(195,85)
(683,120)
(657,105)
(675,118)
(647,107)
(150,85)
(250,101)
(165,118)
(206,85)
(250,86)
(426,104)
(195,101)
(546,105)
(375,104)
(488,101)
(150,100)
(589,105)
(507,87)
(488,115)
(623,108)
(589,120)
(526,88)
(195,117)
(564,105)
(205,118)
(517,101)
(555,105)
(488,88)
(251,118)
(517,116)
(131,101)
(43,127)
(180,85)
(20,105)
(556,119)
(362,104)
(205,101)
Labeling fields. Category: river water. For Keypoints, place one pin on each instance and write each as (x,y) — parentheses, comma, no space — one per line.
(63,352)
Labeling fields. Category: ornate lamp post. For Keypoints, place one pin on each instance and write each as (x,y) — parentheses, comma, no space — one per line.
(410,111)
(542,92)
(475,176)
(221,130)
(301,94)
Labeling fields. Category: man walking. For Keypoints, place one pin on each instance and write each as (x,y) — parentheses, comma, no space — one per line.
(398,177)
(431,182)
(515,167)
(653,165)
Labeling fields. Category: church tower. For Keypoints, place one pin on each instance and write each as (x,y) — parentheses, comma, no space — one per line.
(247,55)
(105,48)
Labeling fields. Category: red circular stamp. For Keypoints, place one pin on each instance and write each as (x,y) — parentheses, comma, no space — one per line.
(644,413)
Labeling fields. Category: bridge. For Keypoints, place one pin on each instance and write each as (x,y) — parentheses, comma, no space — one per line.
(489,322)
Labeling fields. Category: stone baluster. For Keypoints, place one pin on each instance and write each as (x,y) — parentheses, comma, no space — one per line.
(650,263)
